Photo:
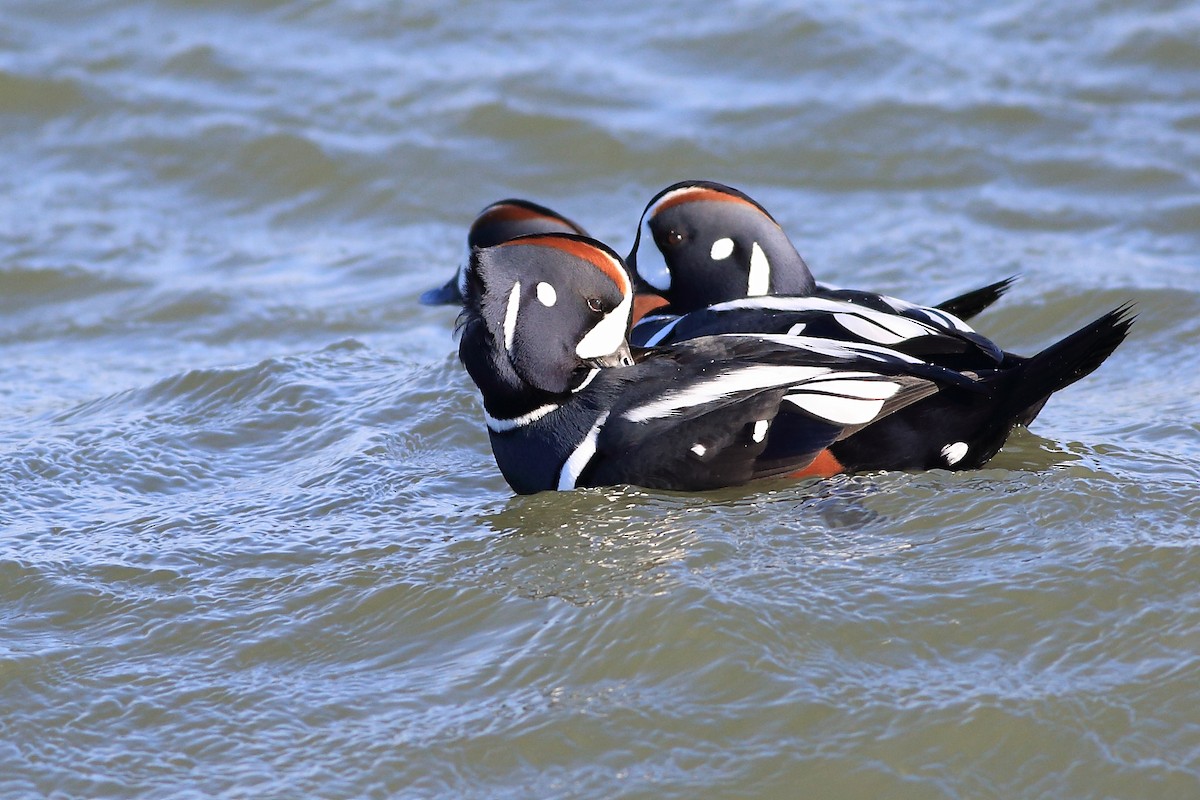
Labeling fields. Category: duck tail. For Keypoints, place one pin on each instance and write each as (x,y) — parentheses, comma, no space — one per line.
(1068,360)
(968,304)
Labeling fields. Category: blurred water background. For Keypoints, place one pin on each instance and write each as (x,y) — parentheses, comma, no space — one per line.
(253,541)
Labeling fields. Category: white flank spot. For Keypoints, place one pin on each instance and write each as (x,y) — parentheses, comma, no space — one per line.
(546,294)
(954,453)
(505,425)
(699,449)
(760,430)
(760,272)
(721,249)
(662,332)
(580,457)
(510,315)
(609,333)
(709,389)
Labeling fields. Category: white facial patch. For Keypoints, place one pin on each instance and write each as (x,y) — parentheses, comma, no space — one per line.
(651,264)
(510,315)
(546,294)
(609,333)
(954,453)
(721,249)
(760,272)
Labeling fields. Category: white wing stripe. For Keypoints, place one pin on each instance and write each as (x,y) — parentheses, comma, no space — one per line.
(720,386)
(841,410)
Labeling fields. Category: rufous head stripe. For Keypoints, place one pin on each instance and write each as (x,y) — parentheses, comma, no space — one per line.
(691,194)
(510,212)
(581,249)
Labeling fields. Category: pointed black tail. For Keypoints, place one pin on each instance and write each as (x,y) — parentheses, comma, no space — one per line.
(968,304)
(1068,360)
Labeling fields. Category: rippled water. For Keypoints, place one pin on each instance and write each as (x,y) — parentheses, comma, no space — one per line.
(254,543)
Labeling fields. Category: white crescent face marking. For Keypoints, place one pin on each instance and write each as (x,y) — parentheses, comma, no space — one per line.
(510,315)
(580,457)
(954,453)
(651,264)
(609,333)
(721,249)
(760,272)
(546,294)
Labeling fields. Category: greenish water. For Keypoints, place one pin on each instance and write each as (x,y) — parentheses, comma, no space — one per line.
(252,541)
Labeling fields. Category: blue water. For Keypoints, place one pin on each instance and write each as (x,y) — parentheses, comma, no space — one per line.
(253,540)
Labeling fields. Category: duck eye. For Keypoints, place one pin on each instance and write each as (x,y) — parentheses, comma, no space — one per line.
(674,238)
(595,305)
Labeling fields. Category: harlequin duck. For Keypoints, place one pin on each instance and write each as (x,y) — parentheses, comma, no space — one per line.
(499,222)
(568,404)
(700,243)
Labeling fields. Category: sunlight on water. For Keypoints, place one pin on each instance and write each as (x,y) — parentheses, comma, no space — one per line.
(255,540)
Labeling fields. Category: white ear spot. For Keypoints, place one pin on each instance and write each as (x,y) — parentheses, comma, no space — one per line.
(546,294)
(510,315)
(699,449)
(760,273)
(760,430)
(954,453)
(721,249)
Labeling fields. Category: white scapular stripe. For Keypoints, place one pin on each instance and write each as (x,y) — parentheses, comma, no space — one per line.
(662,332)
(510,315)
(847,398)
(739,380)
(609,333)
(721,249)
(760,272)
(841,410)
(934,315)
(882,329)
(832,347)
(580,457)
(954,453)
(504,425)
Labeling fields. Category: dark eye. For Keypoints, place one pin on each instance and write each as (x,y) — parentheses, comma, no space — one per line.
(595,305)
(673,238)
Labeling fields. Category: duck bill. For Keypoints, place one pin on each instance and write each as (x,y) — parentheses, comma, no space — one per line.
(621,357)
